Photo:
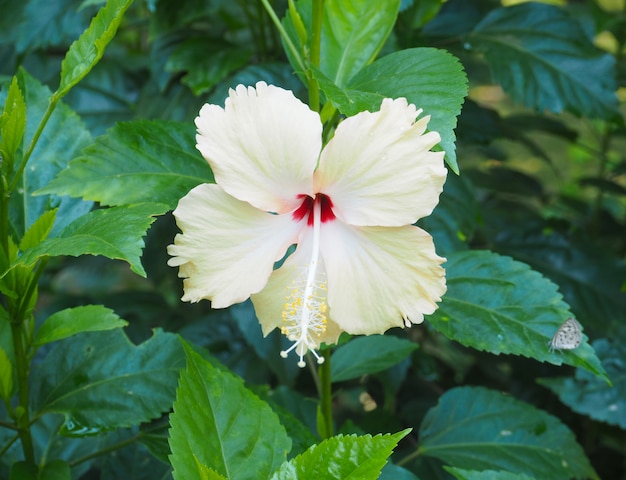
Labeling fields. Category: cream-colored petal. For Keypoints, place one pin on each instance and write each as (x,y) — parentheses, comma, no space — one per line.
(269,304)
(228,248)
(380,277)
(378,169)
(262,146)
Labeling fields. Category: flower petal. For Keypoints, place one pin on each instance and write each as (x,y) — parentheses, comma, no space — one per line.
(227,249)
(270,302)
(378,170)
(380,277)
(262,146)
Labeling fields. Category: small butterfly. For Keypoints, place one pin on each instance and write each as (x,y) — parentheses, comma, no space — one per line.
(567,337)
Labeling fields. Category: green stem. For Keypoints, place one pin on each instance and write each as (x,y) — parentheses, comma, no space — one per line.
(104,451)
(326,406)
(316,49)
(42,124)
(23,417)
(408,458)
(283,33)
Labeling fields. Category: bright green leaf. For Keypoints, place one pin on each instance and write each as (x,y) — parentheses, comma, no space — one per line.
(39,230)
(587,395)
(6,376)
(369,354)
(543,58)
(13,126)
(221,424)
(462,474)
(112,232)
(100,381)
(71,321)
(144,161)
(353,32)
(431,79)
(479,429)
(498,305)
(64,136)
(342,457)
(206,473)
(85,52)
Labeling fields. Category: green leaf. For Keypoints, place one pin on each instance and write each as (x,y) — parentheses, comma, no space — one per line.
(217,422)
(353,32)
(13,126)
(135,162)
(342,457)
(394,472)
(462,474)
(543,58)
(85,52)
(479,429)
(101,381)
(370,354)
(64,136)
(498,305)
(71,321)
(206,473)
(112,232)
(55,470)
(39,230)
(591,277)
(23,471)
(206,61)
(453,227)
(429,78)
(6,376)
(587,395)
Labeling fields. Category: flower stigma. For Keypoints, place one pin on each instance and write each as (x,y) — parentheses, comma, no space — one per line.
(305,311)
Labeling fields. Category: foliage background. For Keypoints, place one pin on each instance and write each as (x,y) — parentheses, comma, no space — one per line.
(543,180)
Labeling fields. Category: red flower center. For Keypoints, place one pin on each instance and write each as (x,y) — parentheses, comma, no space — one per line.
(306,208)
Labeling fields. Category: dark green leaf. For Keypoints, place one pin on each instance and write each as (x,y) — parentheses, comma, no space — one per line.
(587,395)
(62,139)
(478,429)
(136,162)
(353,32)
(12,125)
(206,62)
(55,470)
(219,423)
(590,276)
(71,321)
(453,227)
(370,354)
(101,381)
(462,474)
(85,52)
(342,457)
(112,232)
(496,304)
(430,79)
(543,58)
(393,472)
(23,471)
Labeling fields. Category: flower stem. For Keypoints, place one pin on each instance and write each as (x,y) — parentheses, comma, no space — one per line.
(326,407)
(316,49)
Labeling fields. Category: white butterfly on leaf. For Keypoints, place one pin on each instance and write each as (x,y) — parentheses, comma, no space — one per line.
(567,337)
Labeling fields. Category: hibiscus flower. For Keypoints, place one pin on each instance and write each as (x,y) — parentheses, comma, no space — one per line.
(360,265)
